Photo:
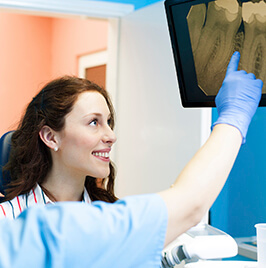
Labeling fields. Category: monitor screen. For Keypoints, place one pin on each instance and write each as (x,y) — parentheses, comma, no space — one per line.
(204,34)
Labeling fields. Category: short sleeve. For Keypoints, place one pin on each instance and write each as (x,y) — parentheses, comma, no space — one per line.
(128,233)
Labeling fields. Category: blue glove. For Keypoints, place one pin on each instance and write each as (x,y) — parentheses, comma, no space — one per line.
(238,98)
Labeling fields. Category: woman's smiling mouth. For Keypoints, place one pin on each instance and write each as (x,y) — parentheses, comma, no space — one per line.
(103,155)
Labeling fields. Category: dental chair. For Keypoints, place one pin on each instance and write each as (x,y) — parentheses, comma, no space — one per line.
(5,146)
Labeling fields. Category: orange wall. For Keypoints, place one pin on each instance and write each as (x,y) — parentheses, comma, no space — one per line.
(25,62)
(73,38)
(36,49)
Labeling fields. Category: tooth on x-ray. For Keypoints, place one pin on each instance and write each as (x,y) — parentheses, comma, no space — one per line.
(254,50)
(217,30)
(216,44)
(196,19)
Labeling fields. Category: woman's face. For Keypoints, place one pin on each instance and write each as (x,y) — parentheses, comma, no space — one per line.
(86,140)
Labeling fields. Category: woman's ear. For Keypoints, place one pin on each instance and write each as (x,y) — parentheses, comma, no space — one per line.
(49,137)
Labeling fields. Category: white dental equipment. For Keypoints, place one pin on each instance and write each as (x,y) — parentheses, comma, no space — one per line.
(203,242)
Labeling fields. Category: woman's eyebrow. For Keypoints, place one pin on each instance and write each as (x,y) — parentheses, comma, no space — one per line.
(92,114)
(96,114)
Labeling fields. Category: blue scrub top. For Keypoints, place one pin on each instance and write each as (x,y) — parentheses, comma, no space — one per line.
(128,233)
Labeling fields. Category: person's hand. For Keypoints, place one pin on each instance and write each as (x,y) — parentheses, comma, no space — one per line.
(238,98)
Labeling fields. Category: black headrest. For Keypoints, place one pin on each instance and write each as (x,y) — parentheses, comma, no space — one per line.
(5,147)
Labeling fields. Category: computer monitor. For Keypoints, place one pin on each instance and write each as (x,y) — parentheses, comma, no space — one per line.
(204,34)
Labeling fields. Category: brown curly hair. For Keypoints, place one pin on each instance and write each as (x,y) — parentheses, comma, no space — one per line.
(30,159)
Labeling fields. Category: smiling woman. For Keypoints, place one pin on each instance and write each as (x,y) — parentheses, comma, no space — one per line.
(60,151)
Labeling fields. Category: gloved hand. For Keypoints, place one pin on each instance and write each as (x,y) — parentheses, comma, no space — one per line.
(238,98)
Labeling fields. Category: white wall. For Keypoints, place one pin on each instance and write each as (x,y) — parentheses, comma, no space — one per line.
(156,136)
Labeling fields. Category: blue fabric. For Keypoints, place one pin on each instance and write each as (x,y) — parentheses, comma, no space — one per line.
(128,233)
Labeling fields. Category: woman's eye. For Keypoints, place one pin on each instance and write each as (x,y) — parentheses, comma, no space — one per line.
(109,122)
(94,122)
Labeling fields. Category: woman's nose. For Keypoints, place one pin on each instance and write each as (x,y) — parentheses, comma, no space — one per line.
(109,136)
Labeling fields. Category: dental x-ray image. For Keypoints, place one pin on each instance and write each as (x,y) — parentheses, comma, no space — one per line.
(204,35)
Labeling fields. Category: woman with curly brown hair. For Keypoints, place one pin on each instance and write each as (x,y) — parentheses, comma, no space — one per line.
(61,148)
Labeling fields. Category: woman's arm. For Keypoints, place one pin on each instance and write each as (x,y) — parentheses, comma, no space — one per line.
(202,179)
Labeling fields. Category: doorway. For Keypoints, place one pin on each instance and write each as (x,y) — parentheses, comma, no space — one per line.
(93,67)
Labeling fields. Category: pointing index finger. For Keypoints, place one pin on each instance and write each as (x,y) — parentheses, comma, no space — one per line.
(233,64)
